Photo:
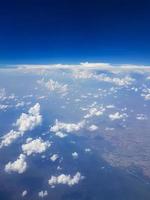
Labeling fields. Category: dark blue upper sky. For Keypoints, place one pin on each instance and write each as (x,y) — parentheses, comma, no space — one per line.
(70,31)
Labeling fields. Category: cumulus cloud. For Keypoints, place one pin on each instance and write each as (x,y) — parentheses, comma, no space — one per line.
(43,194)
(75,155)
(67,127)
(141,117)
(146,94)
(93,127)
(20,104)
(65,179)
(94,112)
(87,150)
(60,134)
(52,85)
(54,157)
(18,166)
(35,146)
(117,115)
(3,107)
(24,193)
(87,74)
(30,120)
(25,123)
(82,74)
(10,137)
(124,81)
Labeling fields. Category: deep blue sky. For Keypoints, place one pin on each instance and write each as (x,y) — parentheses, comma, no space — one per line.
(71,31)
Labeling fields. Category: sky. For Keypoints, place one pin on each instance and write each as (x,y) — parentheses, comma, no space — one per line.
(74,31)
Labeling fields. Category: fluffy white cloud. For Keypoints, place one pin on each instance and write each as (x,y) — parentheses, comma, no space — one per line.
(115,80)
(65,179)
(75,155)
(30,120)
(141,117)
(87,74)
(87,150)
(35,146)
(67,127)
(146,94)
(60,134)
(54,157)
(25,122)
(94,112)
(117,115)
(43,194)
(82,74)
(52,85)
(10,137)
(93,127)
(20,104)
(24,193)
(3,107)
(18,166)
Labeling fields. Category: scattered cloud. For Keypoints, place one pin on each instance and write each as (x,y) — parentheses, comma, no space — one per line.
(25,123)
(60,134)
(24,193)
(52,85)
(54,157)
(30,120)
(75,155)
(93,127)
(9,138)
(18,166)
(124,81)
(35,146)
(94,112)
(65,179)
(141,117)
(117,115)
(146,94)
(67,127)
(43,194)
(87,150)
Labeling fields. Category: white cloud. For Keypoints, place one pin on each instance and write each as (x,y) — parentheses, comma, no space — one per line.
(141,117)
(94,112)
(24,193)
(67,127)
(18,166)
(115,80)
(110,106)
(43,194)
(10,137)
(117,115)
(87,74)
(82,74)
(87,150)
(54,157)
(20,104)
(84,65)
(93,127)
(3,107)
(65,179)
(52,85)
(75,155)
(60,134)
(25,122)
(30,120)
(146,94)
(35,146)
